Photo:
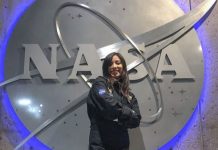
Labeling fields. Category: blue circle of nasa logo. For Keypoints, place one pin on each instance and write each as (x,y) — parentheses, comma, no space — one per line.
(43,83)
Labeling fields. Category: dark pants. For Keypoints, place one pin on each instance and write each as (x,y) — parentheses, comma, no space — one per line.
(108,136)
(96,147)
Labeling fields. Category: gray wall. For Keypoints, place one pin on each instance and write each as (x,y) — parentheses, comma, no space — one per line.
(6,11)
(202,134)
(202,131)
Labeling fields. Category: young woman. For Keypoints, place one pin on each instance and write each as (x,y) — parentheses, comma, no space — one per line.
(112,108)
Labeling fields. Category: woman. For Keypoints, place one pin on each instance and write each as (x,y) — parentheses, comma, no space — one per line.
(112,108)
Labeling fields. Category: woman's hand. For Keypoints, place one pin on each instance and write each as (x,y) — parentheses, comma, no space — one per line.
(130,120)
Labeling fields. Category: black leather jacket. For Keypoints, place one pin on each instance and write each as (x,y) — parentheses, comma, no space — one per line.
(110,114)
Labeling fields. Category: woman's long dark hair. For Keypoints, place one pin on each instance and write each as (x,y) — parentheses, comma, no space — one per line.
(124,79)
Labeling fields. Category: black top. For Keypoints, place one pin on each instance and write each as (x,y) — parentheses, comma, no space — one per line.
(110,114)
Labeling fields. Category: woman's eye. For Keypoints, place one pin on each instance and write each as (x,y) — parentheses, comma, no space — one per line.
(118,63)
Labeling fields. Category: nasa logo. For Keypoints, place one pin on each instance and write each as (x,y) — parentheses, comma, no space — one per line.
(176,60)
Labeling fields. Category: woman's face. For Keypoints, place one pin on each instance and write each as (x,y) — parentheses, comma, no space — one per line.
(116,68)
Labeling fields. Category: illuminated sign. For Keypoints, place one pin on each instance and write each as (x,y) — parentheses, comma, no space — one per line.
(46,93)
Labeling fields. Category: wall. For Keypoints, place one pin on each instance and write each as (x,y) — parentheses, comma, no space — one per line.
(202,131)
(6,10)
(202,134)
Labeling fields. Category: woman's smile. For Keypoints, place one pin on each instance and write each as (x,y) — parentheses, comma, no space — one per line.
(116,67)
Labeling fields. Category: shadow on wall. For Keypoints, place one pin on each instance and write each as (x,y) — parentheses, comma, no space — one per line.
(136,139)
